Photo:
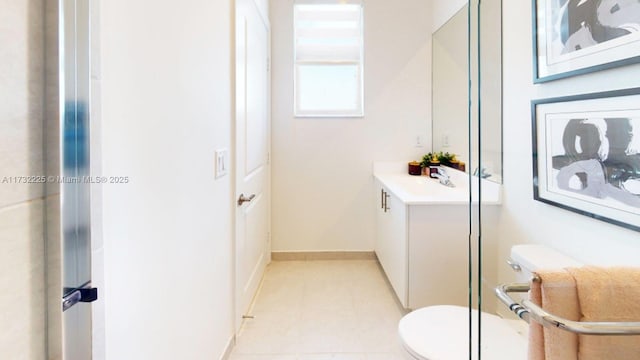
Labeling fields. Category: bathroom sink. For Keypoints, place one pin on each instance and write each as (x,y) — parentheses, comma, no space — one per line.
(423,190)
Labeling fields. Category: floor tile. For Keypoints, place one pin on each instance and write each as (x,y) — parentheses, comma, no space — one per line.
(262,357)
(324,309)
(333,357)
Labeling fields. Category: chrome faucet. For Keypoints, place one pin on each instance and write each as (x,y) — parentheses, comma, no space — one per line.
(481,172)
(443,177)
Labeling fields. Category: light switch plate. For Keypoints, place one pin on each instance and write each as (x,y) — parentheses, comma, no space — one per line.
(445,140)
(222,162)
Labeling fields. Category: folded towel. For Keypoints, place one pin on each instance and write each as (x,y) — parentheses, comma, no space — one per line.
(608,294)
(586,294)
(536,334)
(556,293)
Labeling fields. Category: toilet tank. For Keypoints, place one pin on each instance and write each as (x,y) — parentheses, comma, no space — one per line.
(529,258)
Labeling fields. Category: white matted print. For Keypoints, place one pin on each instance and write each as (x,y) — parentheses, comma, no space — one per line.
(586,152)
(574,37)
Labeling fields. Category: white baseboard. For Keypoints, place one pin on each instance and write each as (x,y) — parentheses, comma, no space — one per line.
(227,352)
(322,255)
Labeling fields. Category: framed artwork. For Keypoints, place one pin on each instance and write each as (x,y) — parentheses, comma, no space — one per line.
(572,37)
(586,155)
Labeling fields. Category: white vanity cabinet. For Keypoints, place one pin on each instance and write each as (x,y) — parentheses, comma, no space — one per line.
(391,240)
(422,239)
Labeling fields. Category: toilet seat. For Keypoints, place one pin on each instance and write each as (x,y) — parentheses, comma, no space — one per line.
(442,333)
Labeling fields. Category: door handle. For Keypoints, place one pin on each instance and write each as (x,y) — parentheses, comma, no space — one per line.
(243,199)
(79,295)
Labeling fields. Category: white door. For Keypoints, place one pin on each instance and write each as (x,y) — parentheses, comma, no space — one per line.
(252,152)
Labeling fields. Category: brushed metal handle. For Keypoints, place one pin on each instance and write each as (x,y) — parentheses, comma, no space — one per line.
(243,199)
(71,299)
(85,295)
(386,202)
(528,311)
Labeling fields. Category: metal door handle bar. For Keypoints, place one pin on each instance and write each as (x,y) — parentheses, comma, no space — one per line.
(79,295)
(243,199)
(528,311)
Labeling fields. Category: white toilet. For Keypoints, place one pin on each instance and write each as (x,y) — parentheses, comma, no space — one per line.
(442,332)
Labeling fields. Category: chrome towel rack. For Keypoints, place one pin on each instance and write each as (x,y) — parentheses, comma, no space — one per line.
(528,311)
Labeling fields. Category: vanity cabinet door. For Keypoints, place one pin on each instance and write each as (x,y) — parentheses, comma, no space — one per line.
(438,262)
(391,240)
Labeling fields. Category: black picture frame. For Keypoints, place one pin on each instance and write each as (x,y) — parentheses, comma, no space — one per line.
(586,154)
(589,41)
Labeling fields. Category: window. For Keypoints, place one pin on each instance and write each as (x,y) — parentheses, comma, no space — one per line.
(328,58)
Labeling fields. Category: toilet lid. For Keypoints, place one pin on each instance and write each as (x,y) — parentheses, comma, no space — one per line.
(442,333)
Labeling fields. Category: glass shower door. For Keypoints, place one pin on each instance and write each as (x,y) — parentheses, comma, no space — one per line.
(485,174)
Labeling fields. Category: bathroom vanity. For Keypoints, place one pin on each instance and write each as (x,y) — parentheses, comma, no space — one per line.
(422,233)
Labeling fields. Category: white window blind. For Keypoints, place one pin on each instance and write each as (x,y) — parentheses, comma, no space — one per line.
(328,58)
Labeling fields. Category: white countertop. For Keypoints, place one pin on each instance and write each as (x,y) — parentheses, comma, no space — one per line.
(423,190)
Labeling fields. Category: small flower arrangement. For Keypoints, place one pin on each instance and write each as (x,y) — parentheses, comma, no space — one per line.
(428,159)
(438,158)
(446,158)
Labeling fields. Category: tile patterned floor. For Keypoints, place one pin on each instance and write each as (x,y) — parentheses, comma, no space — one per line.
(318,310)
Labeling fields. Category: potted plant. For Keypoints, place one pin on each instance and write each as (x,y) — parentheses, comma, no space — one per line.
(446,158)
(450,160)
(440,158)
(428,160)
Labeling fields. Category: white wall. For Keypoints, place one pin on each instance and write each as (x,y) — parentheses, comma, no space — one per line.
(322,183)
(22,247)
(166,106)
(443,10)
(450,81)
(523,219)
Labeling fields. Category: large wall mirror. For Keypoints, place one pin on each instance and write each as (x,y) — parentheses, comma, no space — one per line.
(450,113)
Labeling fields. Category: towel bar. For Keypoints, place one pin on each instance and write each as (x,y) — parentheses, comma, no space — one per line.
(528,311)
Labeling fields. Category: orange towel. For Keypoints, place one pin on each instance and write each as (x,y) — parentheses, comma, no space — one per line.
(556,293)
(586,294)
(608,294)
(536,335)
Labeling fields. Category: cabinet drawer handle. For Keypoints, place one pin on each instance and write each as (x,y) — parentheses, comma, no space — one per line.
(386,202)
(381,198)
